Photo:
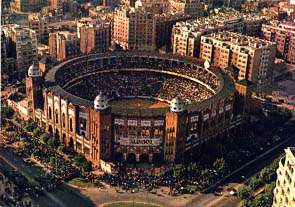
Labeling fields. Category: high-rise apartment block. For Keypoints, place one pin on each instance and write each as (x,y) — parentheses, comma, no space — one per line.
(283,33)
(186,36)
(194,8)
(26,5)
(133,29)
(64,45)
(284,192)
(94,37)
(155,7)
(253,57)
(38,23)
(57,5)
(22,45)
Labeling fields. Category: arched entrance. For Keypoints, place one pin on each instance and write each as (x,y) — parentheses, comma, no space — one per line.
(57,134)
(50,129)
(71,143)
(64,138)
(131,158)
(144,158)
(157,158)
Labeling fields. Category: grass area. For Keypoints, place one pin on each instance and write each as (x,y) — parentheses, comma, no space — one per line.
(80,182)
(129,204)
(191,187)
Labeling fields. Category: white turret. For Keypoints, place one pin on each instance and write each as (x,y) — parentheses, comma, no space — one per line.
(100,102)
(34,71)
(176,105)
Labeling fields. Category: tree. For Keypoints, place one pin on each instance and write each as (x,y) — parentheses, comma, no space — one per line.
(79,160)
(177,171)
(220,165)
(205,172)
(37,152)
(52,142)
(7,112)
(87,166)
(44,137)
(260,201)
(60,148)
(192,167)
(267,175)
(255,183)
(242,193)
(30,126)
(36,132)
(51,160)
(27,145)
(268,189)
(246,203)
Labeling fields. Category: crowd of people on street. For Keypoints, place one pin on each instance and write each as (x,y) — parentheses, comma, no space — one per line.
(61,168)
(135,180)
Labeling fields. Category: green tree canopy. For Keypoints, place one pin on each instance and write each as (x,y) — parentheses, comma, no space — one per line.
(220,165)
(36,132)
(255,183)
(267,175)
(242,193)
(246,203)
(44,137)
(6,112)
(52,142)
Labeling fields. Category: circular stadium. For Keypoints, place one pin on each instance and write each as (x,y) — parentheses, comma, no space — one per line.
(140,92)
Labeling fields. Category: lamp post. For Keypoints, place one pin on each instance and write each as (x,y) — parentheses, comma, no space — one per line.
(245,179)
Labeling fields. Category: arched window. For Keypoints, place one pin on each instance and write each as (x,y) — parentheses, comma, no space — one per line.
(50,115)
(63,120)
(56,116)
(71,124)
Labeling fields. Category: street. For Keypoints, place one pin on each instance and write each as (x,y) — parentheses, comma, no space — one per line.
(63,195)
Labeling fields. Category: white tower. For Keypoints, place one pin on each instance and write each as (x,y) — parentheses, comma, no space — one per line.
(176,105)
(100,102)
(34,71)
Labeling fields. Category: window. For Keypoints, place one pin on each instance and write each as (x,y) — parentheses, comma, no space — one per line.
(50,116)
(56,116)
(71,124)
(63,120)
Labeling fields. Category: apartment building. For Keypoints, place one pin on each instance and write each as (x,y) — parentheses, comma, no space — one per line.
(94,37)
(284,192)
(133,29)
(38,23)
(253,57)
(186,36)
(283,33)
(26,5)
(155,7)
(194,8)
(22,47)
(64,45)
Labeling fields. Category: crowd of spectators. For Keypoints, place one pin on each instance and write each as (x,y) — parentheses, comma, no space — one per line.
(67,74)
(140,83)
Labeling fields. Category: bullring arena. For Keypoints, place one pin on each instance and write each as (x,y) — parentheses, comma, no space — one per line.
(132,106)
